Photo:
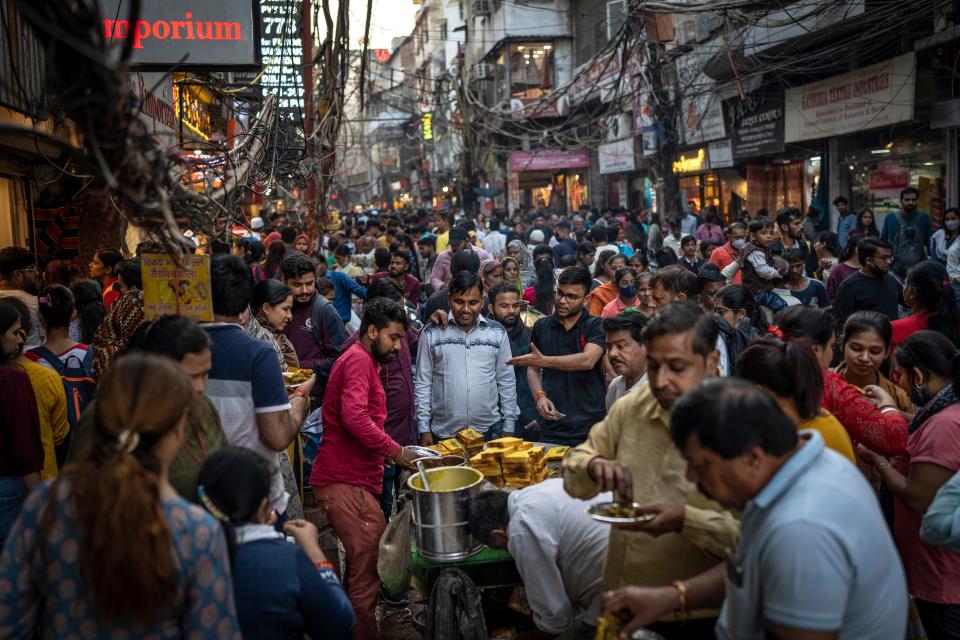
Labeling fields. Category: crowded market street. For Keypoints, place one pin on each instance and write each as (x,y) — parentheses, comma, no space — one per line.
(480,320)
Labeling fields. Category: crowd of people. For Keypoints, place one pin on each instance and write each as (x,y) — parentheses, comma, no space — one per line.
(779,399)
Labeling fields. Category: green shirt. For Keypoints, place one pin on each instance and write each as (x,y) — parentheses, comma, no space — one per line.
(204,436)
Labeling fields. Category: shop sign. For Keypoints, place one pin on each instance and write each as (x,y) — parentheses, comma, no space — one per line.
(888,179)
(282,51)
(701,113)
(875,96)
(523,108)
(605,71)
(426,122)
(649,141)
(756,127)
(616,157)
(720,154)
(178,286)
(185,33)
(154,92)
(691,161)
(549,160)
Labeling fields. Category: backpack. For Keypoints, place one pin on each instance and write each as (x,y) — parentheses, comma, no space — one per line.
(78,381)
(908,247)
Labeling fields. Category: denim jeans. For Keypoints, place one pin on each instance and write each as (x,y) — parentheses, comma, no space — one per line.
(391,485)
(771,301)
(12,494)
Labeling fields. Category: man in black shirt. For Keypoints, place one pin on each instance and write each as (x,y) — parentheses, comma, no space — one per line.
(504,307)
(790,224)
(564,366)
(872,288)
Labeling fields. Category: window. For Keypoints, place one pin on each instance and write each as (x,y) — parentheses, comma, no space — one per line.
(531,70)
(616,16)
(443,29)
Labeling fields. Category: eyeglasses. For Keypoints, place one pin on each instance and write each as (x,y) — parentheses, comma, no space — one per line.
(569,297)
(884,258)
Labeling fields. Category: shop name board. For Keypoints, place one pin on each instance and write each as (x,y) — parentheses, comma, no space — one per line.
(756,128)
(616,157)
(549,160)
(282,52)
(154,93)
(426,122)
(875,96)
(701,113)
(691,162)
(183,32)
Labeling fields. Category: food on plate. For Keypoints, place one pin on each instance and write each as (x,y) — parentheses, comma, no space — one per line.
(556,454)
(617,513)
(608,628)
(296,377)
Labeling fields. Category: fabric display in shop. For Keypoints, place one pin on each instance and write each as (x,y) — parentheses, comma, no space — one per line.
(774,186)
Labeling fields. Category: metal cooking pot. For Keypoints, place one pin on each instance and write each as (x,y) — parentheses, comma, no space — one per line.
(442,461)
(440,515)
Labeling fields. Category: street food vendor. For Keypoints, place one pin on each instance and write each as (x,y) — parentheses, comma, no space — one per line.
(558,550)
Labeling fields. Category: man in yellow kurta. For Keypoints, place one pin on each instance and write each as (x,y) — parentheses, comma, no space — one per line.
(631,452)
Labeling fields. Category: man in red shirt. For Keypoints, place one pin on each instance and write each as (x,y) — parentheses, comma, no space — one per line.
(727,253)
(347,473)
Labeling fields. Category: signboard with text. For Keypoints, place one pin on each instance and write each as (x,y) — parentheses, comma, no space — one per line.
(180,289)
(549,160)
(213,33)
(282,52)
(701,110)
(616,157)
(871,97)
(756,127)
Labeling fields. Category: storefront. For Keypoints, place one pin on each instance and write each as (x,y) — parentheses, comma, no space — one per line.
(877,147)
(628,184)
(557,179)
(704,185)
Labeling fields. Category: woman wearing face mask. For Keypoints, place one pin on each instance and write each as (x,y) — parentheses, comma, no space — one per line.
(877,425)
(928,366)
(739,319)
(944,238)
(626,282)
(927,291)
(866,344)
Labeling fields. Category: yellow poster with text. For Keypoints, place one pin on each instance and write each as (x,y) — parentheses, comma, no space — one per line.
(178,286)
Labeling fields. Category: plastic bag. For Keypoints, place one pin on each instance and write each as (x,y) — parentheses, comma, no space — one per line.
(393,563)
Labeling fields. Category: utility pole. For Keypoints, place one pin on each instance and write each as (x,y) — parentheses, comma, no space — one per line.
(468,198)
(664,104)
(306,38)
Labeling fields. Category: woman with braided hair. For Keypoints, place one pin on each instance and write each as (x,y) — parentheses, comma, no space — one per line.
(109,547)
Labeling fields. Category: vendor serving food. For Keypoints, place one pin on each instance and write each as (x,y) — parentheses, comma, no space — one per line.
(558,549)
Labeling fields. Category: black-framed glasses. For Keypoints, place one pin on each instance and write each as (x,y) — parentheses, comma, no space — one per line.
(569,297)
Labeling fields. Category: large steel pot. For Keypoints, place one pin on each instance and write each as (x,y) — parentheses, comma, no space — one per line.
(440,515)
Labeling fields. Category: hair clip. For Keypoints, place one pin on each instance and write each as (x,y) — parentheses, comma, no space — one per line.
(776,331)
(128,441)
(209,506)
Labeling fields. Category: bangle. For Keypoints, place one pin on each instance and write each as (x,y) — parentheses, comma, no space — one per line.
(323,565)
(887,408)
(681,611)
(538,395)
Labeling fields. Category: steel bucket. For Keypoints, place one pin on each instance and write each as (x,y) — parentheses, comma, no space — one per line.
(440,515)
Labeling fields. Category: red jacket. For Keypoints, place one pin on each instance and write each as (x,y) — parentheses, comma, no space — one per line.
(354,412)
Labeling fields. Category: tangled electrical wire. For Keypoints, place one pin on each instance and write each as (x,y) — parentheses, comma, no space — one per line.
(144,181)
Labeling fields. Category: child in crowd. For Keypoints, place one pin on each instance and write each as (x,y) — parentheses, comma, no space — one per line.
(282,590)
(756,261)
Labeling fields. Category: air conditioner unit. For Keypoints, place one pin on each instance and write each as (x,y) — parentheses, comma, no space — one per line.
(481,7)
(482,71)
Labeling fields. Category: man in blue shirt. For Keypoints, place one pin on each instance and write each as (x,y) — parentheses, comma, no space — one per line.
(345,286)
(815,559)
(847,218)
